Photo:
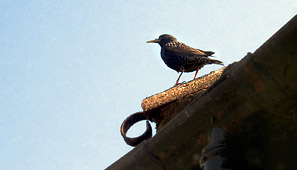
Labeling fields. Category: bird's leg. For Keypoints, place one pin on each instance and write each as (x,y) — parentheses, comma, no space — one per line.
(196,73)
(179,77)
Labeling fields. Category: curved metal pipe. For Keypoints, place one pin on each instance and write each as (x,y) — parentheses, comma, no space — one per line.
(130,121)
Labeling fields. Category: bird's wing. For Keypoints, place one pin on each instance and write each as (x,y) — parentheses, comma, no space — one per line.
(180,48)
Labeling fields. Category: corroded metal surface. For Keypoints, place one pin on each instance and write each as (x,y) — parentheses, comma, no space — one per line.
(130,121)
(193,87)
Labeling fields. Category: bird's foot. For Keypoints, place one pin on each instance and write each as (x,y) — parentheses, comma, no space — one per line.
(178,84)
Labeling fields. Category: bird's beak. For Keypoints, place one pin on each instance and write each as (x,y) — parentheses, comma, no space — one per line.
(153,41)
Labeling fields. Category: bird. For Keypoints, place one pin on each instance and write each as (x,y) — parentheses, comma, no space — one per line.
(182,58)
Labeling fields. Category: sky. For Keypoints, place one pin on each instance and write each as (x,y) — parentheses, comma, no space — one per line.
(72,71)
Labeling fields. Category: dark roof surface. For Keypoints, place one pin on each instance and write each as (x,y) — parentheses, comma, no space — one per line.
(255,99)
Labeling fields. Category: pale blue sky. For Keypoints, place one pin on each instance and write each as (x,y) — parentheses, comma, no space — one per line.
(72,71)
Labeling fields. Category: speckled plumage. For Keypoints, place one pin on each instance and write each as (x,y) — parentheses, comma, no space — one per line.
(181,57)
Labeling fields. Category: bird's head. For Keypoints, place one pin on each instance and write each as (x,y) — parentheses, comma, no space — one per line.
(163,39)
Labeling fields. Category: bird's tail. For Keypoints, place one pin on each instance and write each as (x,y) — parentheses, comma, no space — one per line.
(213,61)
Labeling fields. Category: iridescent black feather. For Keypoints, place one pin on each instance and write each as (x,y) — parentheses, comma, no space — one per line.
(181,57)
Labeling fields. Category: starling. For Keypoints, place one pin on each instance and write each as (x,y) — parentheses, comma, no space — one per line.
(181,57)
